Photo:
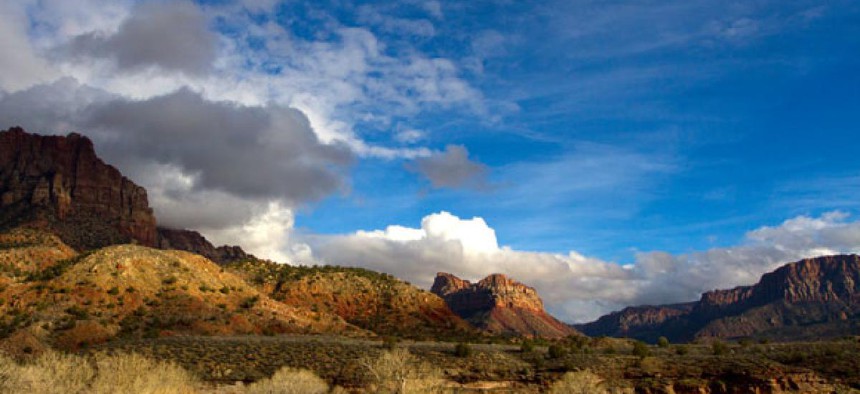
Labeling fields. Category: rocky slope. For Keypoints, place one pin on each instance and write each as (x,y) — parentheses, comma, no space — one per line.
(499,305)
(194,242)
(370,300)
(810,298)
(59,183)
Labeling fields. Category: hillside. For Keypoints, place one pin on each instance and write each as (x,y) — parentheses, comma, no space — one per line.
(499,305)
(135,291)
(809,299)
(373,301)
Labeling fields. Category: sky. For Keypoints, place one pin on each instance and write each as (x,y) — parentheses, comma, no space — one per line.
(608,153)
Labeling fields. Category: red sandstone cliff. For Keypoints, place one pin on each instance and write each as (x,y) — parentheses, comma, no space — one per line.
(59,182)
(499,305)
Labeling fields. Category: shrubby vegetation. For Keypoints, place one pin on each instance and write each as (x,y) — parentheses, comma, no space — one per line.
(59,373)
(579,382)
(400,372)
(290,381)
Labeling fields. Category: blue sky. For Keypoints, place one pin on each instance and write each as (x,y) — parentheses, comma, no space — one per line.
(704,120)
(609,153)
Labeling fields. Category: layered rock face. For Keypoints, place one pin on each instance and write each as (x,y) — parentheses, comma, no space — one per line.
(59,182)
(194,242)
(820,295)
(499,305)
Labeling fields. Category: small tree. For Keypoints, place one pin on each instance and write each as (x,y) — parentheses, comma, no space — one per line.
(663,342)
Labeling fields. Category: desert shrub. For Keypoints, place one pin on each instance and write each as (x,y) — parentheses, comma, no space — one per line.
(579,382)
(78,312)
(289,381)
(390,342)
(400,372)
(663,342)
(681,350)
(556,351)
(640,349)
(578,341)
(249,302)
(462,350)
(719,348)
(135,374)
(527,347)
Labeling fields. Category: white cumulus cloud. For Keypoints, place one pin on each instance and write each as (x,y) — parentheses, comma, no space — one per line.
(580,288)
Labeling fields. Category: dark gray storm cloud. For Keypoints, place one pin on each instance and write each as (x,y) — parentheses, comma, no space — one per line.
(246,151)
(451,169)
(170,35)
(189,151)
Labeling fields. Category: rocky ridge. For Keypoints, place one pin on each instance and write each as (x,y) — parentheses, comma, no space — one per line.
(194,242)
(499,305)
(59,184)
(821,294)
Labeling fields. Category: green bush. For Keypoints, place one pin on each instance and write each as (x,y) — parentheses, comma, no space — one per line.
(556,351)
(640,349)
(663,342)
(527,347)
(719,348)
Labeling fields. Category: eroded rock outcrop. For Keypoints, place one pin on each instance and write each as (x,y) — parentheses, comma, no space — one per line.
(499,305)
(59,183)
(194,242)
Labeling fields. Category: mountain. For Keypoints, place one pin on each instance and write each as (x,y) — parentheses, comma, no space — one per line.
(373,301)
(499,305)
(59,183)
(808,299)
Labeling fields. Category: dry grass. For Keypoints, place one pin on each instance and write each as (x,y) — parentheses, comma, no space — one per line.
(58,373)
(290,381)
(132,373)
(50,373)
